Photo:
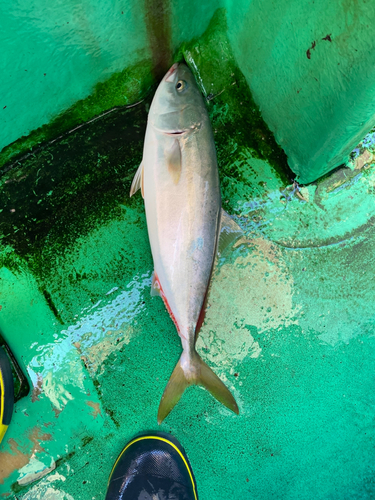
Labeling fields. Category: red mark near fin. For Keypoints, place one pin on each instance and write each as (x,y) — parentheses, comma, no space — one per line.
(156,280)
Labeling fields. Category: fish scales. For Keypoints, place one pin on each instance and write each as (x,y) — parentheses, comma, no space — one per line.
(183,225)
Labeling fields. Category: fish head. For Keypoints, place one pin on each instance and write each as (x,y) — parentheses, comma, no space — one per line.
(178,107)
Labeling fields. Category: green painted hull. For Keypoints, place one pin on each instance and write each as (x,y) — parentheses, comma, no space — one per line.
(290,323)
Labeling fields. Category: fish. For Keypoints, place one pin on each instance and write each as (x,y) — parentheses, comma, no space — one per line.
(179,181)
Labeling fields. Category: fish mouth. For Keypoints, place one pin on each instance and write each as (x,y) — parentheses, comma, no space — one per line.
(175,132)
(170,132)
(169,77)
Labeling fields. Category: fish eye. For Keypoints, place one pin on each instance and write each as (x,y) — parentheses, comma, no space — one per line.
(181,85)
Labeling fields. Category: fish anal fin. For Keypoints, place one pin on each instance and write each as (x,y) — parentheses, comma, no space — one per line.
(137,181)
(193,371)
(174,161)
(155,286)
(230,231)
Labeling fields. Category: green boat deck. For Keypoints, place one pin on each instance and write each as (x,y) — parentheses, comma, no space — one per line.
(290,320)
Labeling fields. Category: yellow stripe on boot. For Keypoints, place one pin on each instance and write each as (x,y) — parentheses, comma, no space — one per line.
(6,393)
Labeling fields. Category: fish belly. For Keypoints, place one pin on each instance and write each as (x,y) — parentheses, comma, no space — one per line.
(182,221)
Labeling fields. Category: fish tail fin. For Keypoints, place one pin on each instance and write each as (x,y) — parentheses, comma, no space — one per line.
(173,392)
(193,371)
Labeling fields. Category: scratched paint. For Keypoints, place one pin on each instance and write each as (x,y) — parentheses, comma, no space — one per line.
(57,391)
(289,328)
(45,490)
(16,458)
(34,470)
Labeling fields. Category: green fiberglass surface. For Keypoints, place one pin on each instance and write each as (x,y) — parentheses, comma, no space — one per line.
(309,66)
(289,326)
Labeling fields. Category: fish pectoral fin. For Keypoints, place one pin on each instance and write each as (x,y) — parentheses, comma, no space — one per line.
(198,374)
(174,161)
(138,182)
(230,231)
(155,287)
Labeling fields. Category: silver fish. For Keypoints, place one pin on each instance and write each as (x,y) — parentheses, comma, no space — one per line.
(179,181)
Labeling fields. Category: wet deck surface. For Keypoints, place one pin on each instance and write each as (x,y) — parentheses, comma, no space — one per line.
(289,329)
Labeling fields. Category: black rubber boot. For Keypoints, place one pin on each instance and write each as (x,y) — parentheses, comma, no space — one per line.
(152,466)
(6,393)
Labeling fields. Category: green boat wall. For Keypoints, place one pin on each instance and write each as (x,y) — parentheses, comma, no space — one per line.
(290,322)
(309,66)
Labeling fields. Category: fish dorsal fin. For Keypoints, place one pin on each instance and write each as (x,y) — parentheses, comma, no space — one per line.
(138,182)
(174,161)
(230,231)
(155,287)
